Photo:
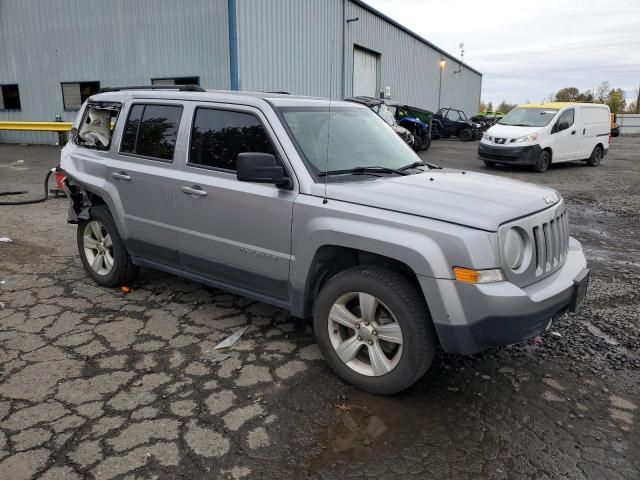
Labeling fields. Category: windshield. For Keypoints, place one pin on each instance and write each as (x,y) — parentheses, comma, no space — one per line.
(358,138)
(385,113)
(529,117)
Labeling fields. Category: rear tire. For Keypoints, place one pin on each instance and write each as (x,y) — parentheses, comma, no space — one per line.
(102,251)
(596,157)
(465,135)
(490,164)
(371,303)
(543,162)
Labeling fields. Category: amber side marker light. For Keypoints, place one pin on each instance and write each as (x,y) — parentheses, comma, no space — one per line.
(467,275)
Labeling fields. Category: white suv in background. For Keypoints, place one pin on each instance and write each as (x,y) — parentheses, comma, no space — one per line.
(538,134)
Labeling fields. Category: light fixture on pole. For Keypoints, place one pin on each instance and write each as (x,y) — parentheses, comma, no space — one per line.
(442,65)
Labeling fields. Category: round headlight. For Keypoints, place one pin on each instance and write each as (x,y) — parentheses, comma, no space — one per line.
(514,248)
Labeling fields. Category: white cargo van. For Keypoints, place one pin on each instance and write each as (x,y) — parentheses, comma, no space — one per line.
(539,134)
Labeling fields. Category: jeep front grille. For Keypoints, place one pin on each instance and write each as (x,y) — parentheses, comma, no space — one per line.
(551,240)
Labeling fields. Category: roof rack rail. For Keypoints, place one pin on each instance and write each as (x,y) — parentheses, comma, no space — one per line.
(180,88)
(279,92)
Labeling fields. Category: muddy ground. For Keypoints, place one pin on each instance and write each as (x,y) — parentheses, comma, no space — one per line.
(96,383)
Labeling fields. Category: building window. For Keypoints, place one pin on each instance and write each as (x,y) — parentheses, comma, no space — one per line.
(176,81)
(9,97)
(152,131)
(75,93)
(218,137)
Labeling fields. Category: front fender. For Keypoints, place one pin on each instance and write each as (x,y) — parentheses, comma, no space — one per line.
(430,248)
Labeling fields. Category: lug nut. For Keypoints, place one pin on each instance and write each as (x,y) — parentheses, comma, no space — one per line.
(335,331)
(366,323)
(374,332)
(359,338)
(370,342)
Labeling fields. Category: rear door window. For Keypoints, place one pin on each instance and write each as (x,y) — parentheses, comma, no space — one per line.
(218,136)
(152,131)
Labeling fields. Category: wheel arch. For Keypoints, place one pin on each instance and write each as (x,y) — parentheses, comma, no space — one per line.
(330,260)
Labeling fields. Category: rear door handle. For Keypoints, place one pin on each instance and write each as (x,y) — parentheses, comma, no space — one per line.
(121,176)
(195,191)
(584,131)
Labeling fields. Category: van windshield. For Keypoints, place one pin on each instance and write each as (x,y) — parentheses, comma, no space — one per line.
(357,138)
(529,117)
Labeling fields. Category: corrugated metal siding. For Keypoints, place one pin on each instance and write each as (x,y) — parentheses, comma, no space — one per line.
(410,67)
(117,42)
(289,45)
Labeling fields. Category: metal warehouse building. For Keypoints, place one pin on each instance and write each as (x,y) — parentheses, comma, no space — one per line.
(53,55)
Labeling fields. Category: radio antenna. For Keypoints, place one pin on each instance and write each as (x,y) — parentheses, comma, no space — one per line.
(326,165)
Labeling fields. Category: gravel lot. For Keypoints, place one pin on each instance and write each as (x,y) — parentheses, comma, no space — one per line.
(96,383)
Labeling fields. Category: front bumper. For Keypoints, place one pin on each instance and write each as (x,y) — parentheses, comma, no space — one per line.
(471,318)
(527,155)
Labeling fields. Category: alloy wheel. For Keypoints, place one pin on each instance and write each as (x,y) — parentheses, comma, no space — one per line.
(98,247)
(365,334)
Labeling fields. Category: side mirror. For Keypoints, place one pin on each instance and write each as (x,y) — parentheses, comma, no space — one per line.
(554,129)
(260,168)
(563,126)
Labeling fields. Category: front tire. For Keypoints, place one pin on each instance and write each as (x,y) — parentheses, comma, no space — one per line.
(102,251)
(465,135)
(543,162)
(596,157)
(374,330)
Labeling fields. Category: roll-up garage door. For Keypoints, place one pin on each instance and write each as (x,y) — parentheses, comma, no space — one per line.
(365,73)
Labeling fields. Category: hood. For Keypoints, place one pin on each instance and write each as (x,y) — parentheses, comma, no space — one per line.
(511,131)
(473,199)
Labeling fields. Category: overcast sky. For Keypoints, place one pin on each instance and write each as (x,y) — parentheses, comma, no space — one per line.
(527,50)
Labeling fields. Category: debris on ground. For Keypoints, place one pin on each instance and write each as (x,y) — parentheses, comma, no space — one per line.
(125,289)
(5,240)
(231,339)
(556,334)
(343,407)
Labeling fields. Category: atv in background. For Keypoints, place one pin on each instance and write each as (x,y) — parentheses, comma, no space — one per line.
(414,123)
(405,130)
(424,116)
(456,123)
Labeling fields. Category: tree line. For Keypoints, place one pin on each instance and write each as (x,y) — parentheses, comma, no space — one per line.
(614,97)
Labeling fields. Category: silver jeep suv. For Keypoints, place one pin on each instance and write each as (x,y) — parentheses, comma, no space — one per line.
(319,208)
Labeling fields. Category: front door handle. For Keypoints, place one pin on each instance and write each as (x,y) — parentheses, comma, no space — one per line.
(584,131)
(195,191)
(121,176)
(573,132)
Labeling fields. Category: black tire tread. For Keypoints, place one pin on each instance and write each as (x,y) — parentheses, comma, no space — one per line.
(124,270)
(413,300)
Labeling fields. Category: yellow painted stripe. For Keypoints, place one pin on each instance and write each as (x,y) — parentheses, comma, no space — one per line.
(37,126)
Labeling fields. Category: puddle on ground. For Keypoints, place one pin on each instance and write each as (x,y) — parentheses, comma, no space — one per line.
(365,425)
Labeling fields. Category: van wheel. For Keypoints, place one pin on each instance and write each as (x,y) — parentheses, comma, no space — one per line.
(374,330)
(543,162)
(465,135)
(102,251)
(426,144)
(596,157)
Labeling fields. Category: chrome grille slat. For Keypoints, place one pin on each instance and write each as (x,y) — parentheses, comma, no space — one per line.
(551,243)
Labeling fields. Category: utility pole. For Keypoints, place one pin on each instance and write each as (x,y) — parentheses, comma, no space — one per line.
(638,100)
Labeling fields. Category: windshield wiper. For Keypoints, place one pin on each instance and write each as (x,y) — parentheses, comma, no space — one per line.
(420,164)
(363,170)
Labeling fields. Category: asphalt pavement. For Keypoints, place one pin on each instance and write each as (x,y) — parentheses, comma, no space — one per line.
(96,383)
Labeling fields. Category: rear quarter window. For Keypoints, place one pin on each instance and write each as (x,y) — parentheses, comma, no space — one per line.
(96,127)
